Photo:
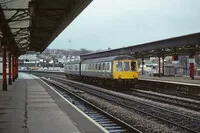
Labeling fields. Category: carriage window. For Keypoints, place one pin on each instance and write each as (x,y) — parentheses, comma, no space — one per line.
(133,66)
(119,66)
(82,67)
(96,66)
(77,67)
(103,66)
(99,66)
(74,67)
(126,66)
(108,66)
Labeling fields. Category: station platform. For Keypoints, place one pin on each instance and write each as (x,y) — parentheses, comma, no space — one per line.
(31,106)
(185,80)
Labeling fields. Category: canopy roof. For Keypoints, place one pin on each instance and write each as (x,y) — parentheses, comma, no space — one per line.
(182,45)
(32,25)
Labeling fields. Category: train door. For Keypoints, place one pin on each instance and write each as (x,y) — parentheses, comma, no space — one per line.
(134,69)
(134,66)
(117,69)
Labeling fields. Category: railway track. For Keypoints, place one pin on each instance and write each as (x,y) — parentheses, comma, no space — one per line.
(158,90)
(181,121)
(187,103)
(173,92)
(169,99)
(109,122)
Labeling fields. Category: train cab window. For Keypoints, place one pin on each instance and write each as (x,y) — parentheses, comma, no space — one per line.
(119,66)
(126,66)
(133,66)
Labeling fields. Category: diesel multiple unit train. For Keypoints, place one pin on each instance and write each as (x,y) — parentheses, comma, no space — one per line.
(115,70)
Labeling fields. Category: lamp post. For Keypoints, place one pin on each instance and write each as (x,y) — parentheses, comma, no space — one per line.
(69,50)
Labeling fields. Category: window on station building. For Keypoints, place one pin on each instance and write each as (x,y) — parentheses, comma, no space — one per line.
(119,66)
(126,66)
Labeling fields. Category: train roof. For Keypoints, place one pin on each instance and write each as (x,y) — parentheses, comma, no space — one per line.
(108,59)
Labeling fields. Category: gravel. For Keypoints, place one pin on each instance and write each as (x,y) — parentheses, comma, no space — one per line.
(133,118)
(165,95)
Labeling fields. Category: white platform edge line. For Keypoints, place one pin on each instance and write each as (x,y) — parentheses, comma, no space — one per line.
(167,81)
(98,125)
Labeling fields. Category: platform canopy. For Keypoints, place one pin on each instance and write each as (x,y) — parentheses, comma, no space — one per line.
(31,25)
(182,45)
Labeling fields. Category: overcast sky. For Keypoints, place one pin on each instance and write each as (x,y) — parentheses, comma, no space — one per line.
(118,23)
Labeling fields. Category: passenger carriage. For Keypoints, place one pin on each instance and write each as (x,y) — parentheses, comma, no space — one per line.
(121,69)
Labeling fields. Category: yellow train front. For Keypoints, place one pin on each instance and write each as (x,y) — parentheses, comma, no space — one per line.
(113,71)
(125,69)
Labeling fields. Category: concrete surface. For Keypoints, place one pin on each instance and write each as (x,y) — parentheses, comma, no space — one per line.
(172,79)
(28,108)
